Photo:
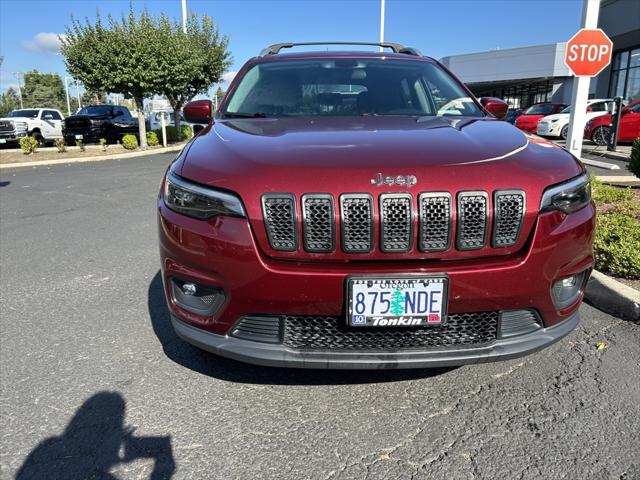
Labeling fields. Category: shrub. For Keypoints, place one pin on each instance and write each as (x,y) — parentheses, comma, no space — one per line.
(616,245)
(172,134)
(187,132)
(603,194)
(152,139)
(634,165)
(80,145)
(130,142)
(103,144)
(28,145)
(60,145)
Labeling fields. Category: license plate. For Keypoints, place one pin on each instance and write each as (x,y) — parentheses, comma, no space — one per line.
(79,137)
(396,301)
(3,140)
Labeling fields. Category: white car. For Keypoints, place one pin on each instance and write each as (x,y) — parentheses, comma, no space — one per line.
(43,124)
(557,125)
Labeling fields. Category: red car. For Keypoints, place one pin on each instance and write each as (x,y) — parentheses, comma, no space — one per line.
(365,210)
(598,129)
(528,121)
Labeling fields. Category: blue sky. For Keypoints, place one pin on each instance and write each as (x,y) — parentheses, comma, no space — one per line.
(437,27)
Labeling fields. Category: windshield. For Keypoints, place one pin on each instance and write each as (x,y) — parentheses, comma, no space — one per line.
(348,87)
(540,110)
(24,113)
(96,110)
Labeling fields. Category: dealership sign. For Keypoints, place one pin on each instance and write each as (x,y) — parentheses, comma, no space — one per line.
(588,52)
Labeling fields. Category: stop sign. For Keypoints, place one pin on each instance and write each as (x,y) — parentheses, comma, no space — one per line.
(588,52)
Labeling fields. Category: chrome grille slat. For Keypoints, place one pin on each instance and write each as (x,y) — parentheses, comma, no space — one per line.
(396,222)
(508,217)
(318,223)
(473,220)
(279,212)
(356,213)
(435,221)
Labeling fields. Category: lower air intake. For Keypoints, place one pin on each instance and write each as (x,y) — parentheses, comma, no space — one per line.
(332,333)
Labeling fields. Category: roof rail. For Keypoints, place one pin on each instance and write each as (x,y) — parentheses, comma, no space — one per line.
(395,47)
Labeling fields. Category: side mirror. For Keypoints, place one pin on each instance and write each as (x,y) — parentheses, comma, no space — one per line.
(198,111)
(625,110)
(496,107)
(48,116)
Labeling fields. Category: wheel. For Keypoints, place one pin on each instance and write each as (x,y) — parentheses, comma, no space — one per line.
(564,132)
(601,135)
(40,139)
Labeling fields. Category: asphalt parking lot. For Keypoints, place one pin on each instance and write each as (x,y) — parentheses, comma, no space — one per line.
(95,383)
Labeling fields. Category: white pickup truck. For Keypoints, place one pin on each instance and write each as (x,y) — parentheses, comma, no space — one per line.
(44,124)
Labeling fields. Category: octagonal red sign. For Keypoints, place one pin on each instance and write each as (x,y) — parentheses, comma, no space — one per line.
(588,52)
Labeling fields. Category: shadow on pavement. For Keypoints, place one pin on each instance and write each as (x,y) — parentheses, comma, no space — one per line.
(94,442)
(4,184)
(231,370)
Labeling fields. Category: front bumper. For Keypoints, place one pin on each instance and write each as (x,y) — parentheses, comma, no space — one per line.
(222,253)
(279,356)
(12,137)
(548,129)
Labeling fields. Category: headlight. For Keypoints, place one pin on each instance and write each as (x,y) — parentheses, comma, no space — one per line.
(567,197)
(20,125)
(199,202)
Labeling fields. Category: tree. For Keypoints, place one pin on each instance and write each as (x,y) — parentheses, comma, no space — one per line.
(191,62)
(397,303)
(121,56)
(42,90)
(219,95)
(9,101)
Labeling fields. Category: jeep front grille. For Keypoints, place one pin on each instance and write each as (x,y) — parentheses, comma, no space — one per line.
(508,213)
(473,220)
(318,223)
(435,221)
(356,213)
(396,222)
(477,221)
(279,213)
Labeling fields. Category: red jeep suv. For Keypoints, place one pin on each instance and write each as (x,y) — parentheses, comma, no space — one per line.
(365,210)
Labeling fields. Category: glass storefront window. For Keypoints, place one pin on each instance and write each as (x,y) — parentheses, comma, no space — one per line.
(625,75)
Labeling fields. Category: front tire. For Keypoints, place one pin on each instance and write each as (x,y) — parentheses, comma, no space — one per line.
(564,133)
(601,135)
(40,139)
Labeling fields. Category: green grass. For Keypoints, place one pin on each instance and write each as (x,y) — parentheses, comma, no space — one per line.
(605,194)
(617,245)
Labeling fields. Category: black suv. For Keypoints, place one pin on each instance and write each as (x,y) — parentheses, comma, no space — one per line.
(94,122)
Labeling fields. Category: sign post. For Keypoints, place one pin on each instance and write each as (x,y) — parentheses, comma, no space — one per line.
(588,53)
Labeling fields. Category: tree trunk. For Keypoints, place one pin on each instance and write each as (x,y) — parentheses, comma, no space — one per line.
(142,127)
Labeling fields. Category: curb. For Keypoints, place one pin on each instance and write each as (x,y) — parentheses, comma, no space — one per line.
(98,158)
(613,297)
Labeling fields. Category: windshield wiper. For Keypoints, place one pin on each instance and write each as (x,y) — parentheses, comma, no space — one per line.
(244,115)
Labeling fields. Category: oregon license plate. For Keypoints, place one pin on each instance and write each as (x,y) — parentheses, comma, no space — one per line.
(396,301)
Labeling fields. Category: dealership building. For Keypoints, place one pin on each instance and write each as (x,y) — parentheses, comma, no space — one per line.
(527,75)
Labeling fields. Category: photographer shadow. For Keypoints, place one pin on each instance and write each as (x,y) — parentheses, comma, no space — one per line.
(95,441)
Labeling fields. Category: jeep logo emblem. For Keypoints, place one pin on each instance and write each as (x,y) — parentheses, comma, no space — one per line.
(400,180)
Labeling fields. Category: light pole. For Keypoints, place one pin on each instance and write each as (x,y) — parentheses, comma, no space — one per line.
(381,22)
(78,93)
(18,75)
(66,91)
(184,16)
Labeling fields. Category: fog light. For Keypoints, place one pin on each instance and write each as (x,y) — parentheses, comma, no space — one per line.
(565,292)
(189,289)
(200,299)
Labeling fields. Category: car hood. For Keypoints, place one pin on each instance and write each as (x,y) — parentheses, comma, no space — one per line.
(15,119)
(342,155)
(556,116)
